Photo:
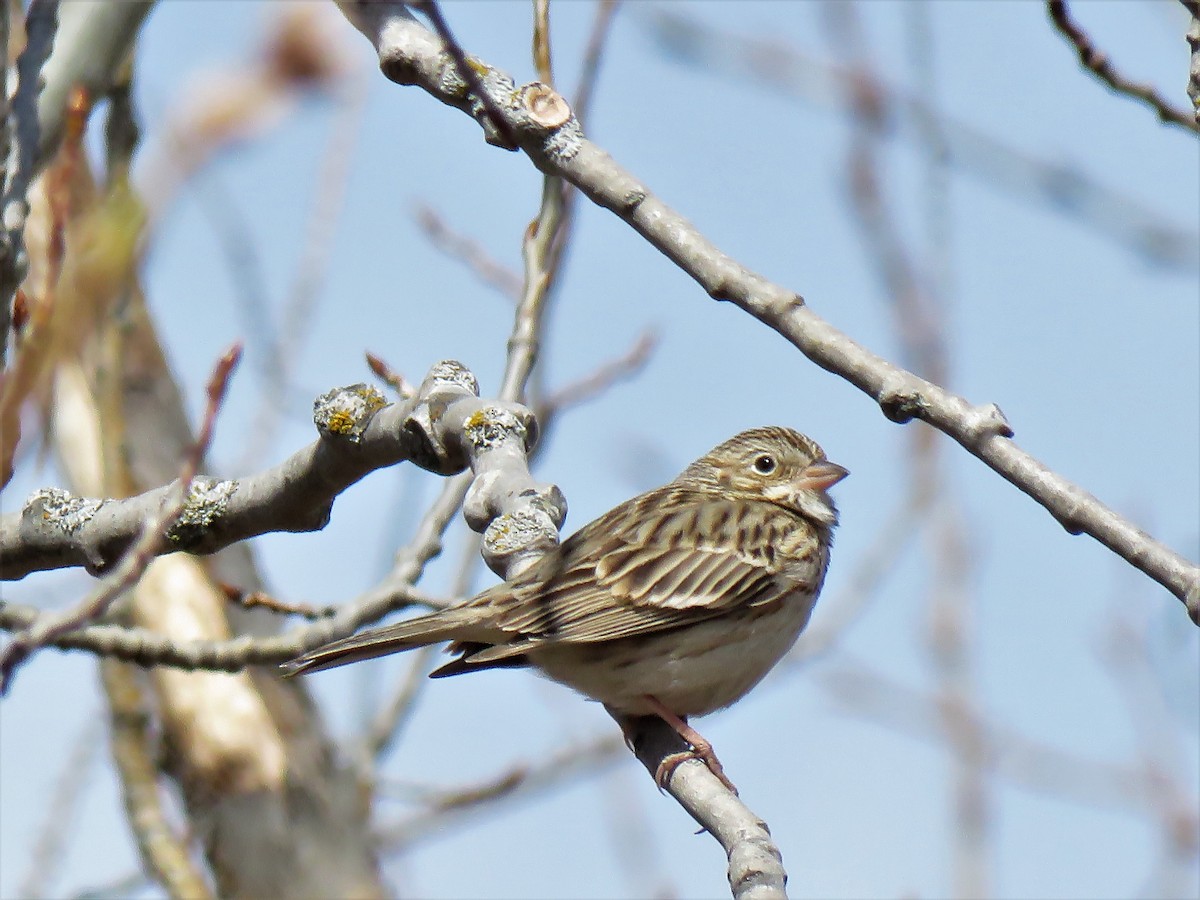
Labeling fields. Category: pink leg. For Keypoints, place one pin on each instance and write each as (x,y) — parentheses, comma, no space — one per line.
(701,749)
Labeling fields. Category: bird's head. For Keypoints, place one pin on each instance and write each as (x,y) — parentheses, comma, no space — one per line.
(775,464)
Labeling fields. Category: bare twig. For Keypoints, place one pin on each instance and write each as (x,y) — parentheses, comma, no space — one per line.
(124,886)
(1163,760)
(496,125)
(994,162)
(391,377)
(541,41)
(51,844)
(605,376)
(392,717)
(541,237)
(1017,759)
(150,648)
(918,316)
(468,251)
(755,863)
(162,851)
(263,600)
(593,53)
(153,538)
(309,276)
(1193,40)
(389,722)
(521,782)
(359,434)
(1096,61)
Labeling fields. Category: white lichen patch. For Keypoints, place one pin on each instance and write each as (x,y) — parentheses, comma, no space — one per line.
(496,84)
(62,509)
(489,426)
(565,142)
(347,411)
(519,530)
(454,372)
(206,502)
(551,503)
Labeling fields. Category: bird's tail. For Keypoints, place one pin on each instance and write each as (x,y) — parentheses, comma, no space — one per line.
(444,625)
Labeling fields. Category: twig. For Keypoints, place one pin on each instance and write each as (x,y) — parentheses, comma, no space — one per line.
(153,538)
(488,109)
(308,279)
(995,164)
(902,396)
(1096,61)
(469,252)
(541,41)
(230,227)
(263,600)
(593,53)
(589,75)
(124,886)
(605,376)
(162,852)
(389,722)
(390,376)
(1017,759)
(391,718)
(1193,41)
(755,863)
(918,321)
(61,812)
(524,343)
(520,782)
(1163,760)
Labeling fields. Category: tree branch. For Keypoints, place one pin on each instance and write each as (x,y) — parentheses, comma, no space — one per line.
(755,863)
(1193,40)
(19,136)
(93,40)
(991,159)
(358,435)
(152,540)
(1097,62)
(551,137)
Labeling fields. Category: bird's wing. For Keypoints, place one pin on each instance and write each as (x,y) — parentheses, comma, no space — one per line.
(669,558)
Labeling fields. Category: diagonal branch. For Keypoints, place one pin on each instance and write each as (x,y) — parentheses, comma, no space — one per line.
(755,863)
(410,54)
(1096,61)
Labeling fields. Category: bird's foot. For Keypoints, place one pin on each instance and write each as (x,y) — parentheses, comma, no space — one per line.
(704,754)
(701,749)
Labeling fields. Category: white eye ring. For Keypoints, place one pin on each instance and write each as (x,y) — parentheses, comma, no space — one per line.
(764,464)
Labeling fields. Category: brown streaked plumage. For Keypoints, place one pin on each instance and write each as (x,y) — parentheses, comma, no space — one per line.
(673,604)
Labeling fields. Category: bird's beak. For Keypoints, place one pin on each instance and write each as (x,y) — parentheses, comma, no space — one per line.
(821,476)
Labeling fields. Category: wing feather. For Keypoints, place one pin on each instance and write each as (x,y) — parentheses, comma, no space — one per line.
(622,576)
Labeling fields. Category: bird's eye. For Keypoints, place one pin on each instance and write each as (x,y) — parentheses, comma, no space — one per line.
(765,464)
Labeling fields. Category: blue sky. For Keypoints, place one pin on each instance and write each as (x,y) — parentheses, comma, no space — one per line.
(1091,349)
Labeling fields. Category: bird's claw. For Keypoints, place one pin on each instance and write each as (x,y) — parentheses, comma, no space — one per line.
(670,762)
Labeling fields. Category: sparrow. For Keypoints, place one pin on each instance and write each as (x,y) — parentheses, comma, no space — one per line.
(674,604)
